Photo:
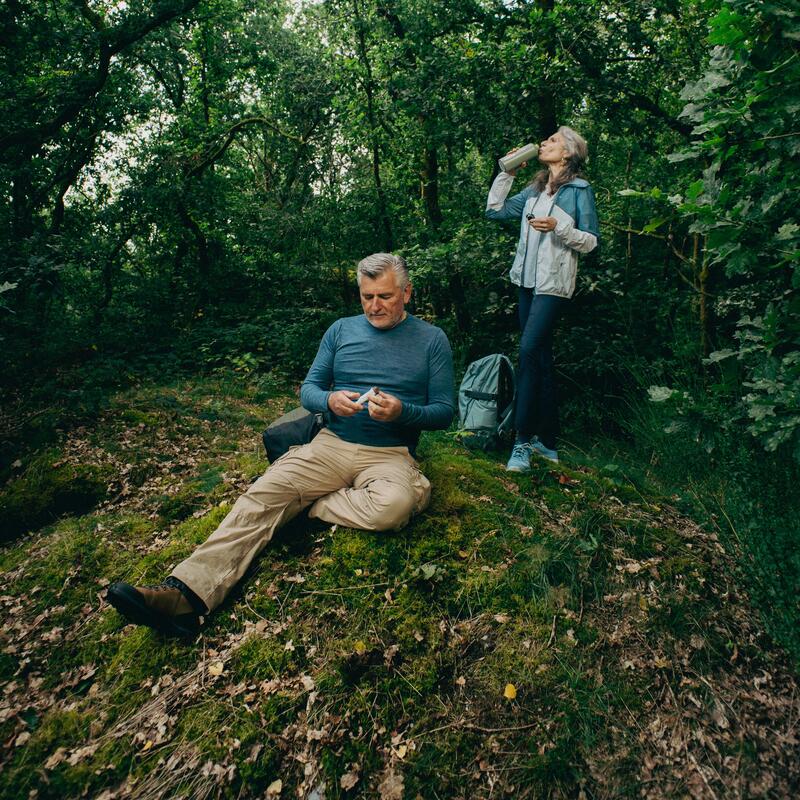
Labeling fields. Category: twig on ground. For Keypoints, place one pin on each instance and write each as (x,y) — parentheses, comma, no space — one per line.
(345,588)
(470,726)
(552,632)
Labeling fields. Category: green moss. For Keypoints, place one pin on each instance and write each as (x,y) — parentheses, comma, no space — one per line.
(46,490)
(56,729)
(501,580)
(260,659)
(135,416)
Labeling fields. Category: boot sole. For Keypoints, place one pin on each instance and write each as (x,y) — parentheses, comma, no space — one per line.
(129,603)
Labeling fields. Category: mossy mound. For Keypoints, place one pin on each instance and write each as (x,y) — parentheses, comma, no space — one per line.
(47,490)
(563,633)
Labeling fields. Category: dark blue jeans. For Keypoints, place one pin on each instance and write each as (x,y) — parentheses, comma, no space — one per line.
(536,409)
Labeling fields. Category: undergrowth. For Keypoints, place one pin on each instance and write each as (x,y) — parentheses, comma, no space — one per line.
(725,479)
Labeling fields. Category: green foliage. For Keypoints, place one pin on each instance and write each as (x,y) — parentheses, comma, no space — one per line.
(745,109)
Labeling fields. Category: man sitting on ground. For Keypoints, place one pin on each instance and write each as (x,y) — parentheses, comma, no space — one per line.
(359,472)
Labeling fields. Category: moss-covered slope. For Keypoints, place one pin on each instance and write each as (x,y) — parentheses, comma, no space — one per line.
(559,634)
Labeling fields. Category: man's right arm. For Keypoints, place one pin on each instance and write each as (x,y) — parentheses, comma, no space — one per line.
(316,387)
(315,393)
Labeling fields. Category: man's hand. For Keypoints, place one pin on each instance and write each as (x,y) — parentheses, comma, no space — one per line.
(383,406)
(342,403)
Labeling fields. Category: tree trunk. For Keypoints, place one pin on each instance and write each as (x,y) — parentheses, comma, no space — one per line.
(203,258)
(548,116)
(430,186)
(383,212)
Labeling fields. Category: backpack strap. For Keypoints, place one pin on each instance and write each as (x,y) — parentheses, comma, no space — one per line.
(473,395)
(506,415)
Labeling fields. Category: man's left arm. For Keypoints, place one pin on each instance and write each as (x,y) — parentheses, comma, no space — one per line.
(437,413)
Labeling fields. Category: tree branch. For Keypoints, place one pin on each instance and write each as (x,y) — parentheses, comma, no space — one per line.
(86,86)
(230,135)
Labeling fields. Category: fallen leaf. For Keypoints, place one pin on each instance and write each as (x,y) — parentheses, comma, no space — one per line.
(501,618)
(216,668)
(255,752)
(56,758)
(510,692)
(391,787)
(718,715)
(21,739)
(82,753)
(349,780)
(275,788)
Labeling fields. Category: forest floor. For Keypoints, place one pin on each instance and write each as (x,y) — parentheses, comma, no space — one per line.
(565,633)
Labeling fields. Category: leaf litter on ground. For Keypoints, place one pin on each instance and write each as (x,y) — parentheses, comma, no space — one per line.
(568,639)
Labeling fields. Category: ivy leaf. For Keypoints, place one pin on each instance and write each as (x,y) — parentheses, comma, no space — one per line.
(719,355)
(654,224)
(695,190)
(658,394)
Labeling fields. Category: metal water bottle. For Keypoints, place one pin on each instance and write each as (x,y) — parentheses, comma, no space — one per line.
(525,153)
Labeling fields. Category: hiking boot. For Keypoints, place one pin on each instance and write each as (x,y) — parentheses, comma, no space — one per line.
(520,460)
(162,606)
(545,452)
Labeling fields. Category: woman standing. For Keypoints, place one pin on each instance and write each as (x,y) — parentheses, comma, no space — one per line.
(558,220)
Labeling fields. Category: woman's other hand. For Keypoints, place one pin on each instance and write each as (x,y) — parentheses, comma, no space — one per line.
(543,224)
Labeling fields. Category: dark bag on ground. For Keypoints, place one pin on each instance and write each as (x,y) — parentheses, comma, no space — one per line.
(296,427)
(486,402)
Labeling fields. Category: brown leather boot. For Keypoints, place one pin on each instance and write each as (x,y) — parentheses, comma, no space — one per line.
(160,606)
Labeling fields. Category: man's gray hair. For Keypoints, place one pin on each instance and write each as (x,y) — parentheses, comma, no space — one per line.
(375,265)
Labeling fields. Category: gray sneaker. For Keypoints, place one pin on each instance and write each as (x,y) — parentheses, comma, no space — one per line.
(520,460)
(545,452)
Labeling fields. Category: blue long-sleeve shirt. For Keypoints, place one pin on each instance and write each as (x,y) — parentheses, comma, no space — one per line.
(412,361)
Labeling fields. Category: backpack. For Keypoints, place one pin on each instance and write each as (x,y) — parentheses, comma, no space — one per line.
(486,402)
(296,427)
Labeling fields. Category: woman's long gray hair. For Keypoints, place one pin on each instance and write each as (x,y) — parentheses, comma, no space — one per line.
(577,153)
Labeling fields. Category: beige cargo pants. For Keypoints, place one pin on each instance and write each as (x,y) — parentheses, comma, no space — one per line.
(357,486)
